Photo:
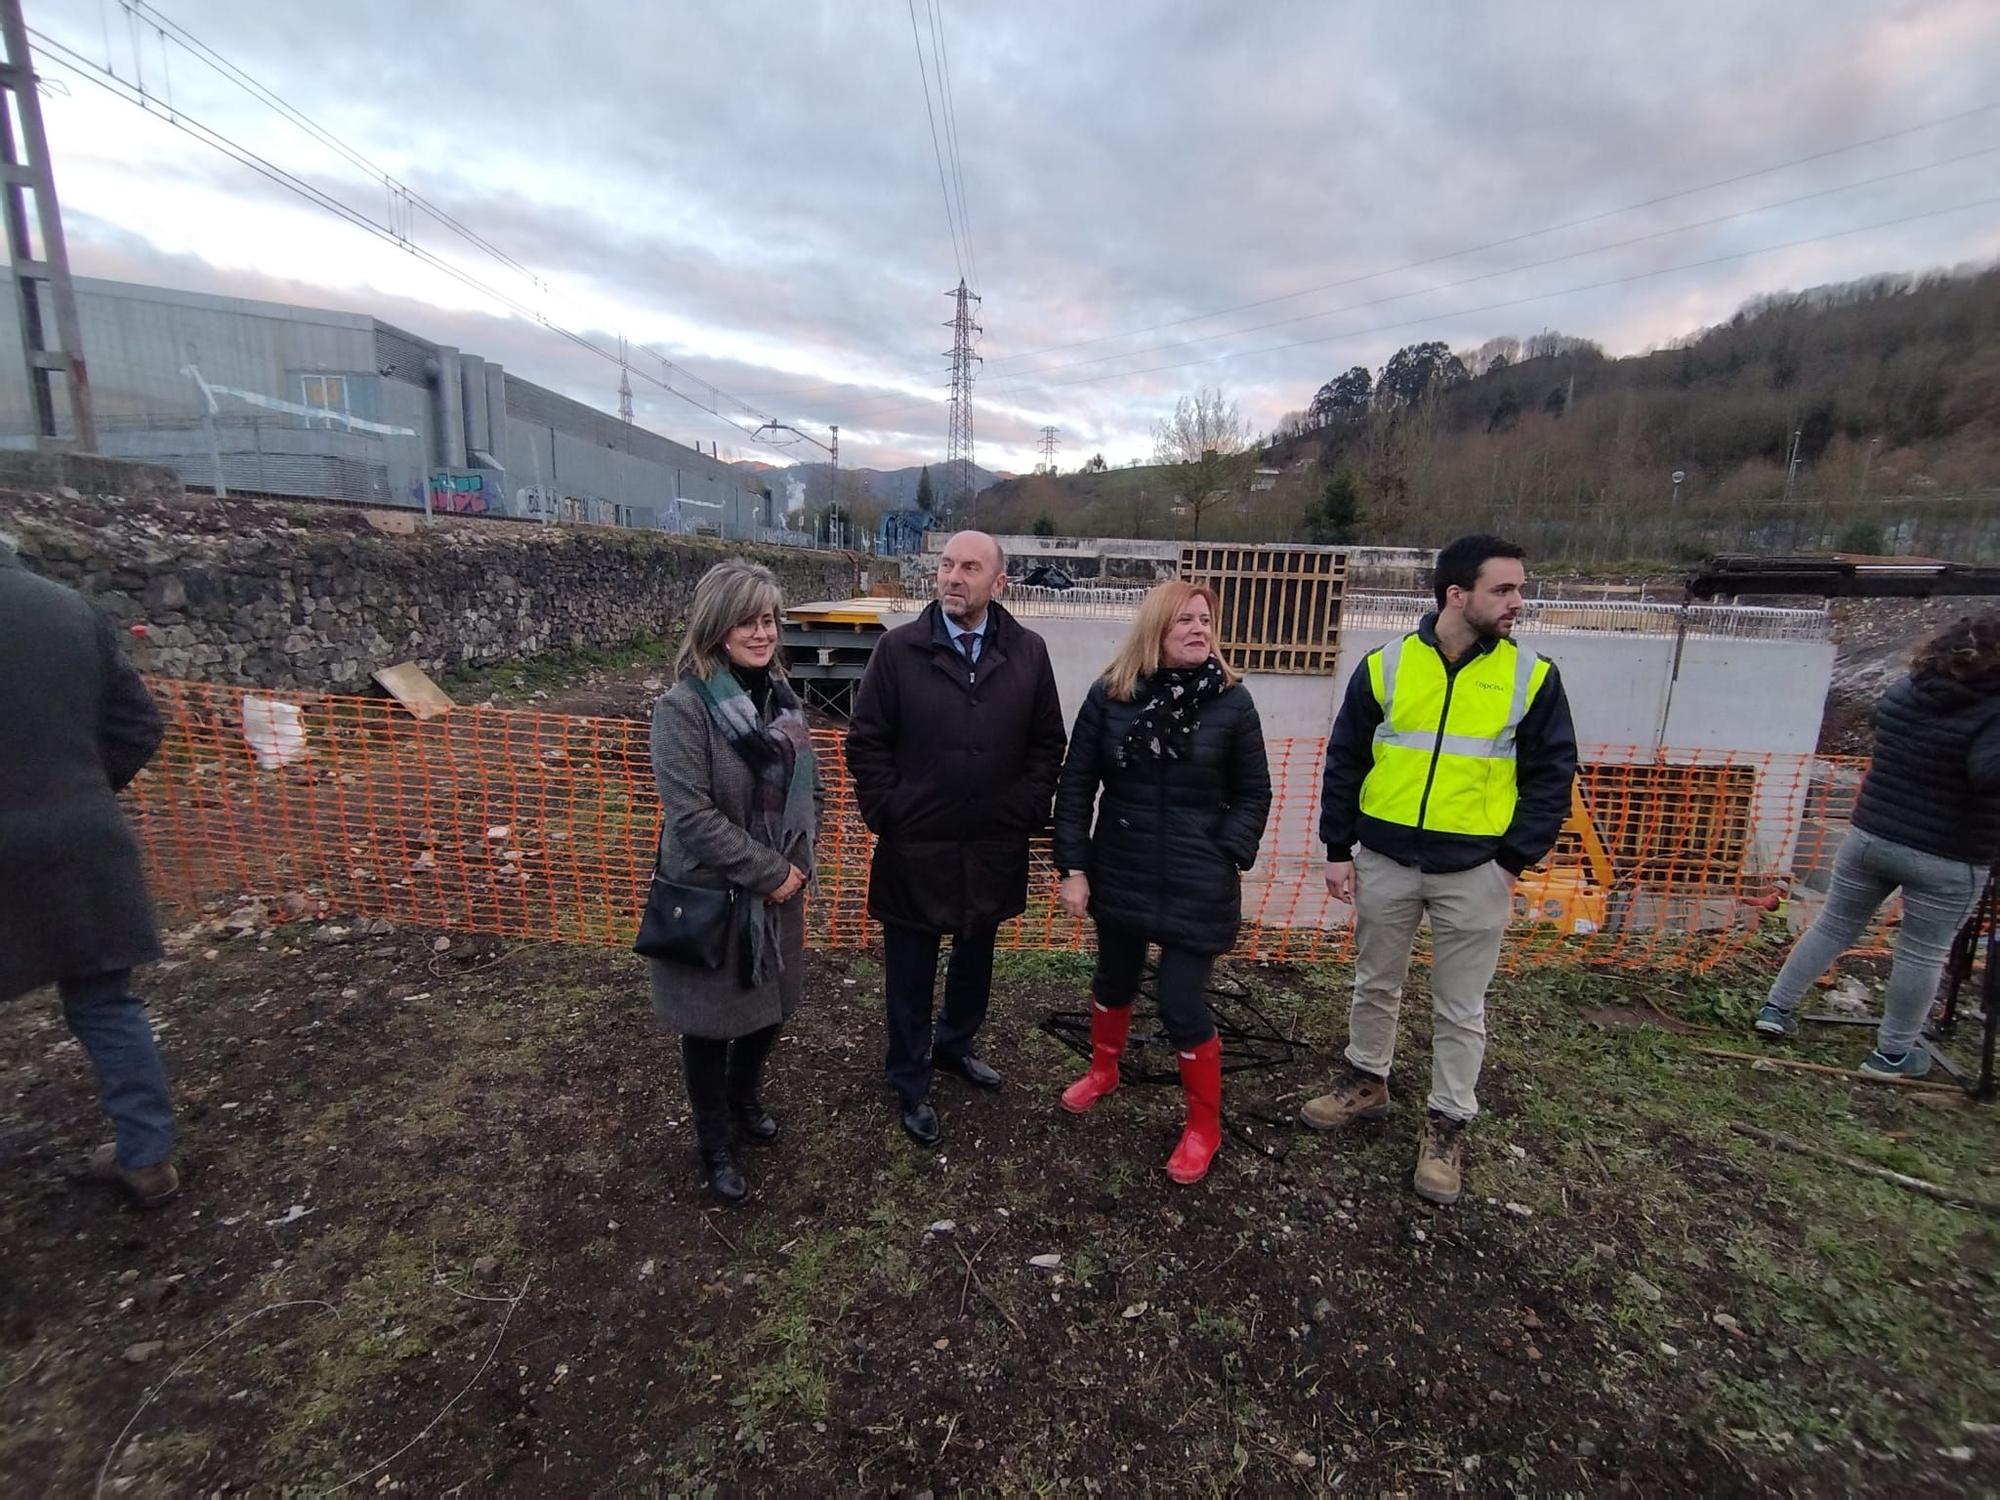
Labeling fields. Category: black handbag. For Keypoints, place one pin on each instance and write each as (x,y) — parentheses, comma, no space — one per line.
(686,924)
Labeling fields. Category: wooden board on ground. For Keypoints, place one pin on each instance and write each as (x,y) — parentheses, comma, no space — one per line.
(410,686)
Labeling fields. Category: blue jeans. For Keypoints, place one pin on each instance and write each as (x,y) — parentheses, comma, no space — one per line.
(1938,896)
(111,1023)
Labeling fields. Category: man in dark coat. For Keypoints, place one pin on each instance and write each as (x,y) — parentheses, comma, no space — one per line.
(954,747)
(77,724)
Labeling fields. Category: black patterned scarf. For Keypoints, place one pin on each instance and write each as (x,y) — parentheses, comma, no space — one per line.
(780,757)
(1173,700)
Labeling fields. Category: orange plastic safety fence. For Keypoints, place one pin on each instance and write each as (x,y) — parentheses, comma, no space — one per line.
(542,825)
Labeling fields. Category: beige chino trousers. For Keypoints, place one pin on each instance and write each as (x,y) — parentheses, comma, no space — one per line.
(1469,912)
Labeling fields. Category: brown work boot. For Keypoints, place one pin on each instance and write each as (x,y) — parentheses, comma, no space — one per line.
(1356,1096)
(1440,1153)
(149,1186)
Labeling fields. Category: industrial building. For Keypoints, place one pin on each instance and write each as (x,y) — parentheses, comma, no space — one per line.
(304,403)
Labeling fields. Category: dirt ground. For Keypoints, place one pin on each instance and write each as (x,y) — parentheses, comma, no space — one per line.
(622,684)
(442,1235)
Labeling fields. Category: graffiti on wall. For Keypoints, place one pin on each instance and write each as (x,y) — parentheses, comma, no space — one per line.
(455,494)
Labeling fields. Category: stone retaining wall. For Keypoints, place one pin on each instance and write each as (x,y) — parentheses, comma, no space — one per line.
(280,595)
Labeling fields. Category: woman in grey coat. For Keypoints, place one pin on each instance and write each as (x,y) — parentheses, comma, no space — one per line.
(742,797)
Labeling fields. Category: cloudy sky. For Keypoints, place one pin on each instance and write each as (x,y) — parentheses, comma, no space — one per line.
(1156,196)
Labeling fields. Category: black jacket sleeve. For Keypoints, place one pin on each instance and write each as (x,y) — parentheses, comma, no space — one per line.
(1350,752)
(1249,791)
(871,738)
(1045,747)
(1076,792)
(1544,770)
(130,729)
(1982,758)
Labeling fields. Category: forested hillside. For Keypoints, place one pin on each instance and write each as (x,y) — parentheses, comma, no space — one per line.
(1881,399)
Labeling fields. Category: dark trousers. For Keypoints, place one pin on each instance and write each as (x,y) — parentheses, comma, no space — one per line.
(722,1073)
(1183,983)
(909,971)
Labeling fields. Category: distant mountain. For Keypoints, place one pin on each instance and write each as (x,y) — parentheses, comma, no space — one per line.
(894,489)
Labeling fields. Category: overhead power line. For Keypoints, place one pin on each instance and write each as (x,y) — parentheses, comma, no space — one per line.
(1532,265)
(943,56)
(1523,301)
(1592,286)
(1515,239)
(1413,265)
(1019,378)
(950,212)
(166,25)
(135,92)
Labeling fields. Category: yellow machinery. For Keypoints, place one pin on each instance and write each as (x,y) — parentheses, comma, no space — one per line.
(1573,897)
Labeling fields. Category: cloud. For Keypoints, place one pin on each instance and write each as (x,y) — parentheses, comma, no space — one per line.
(752,188)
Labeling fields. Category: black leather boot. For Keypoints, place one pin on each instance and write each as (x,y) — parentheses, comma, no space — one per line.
(720,1176)
(746,1072)
(704,1063)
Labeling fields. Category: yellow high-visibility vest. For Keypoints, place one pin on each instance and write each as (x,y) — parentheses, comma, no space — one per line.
(1444,751)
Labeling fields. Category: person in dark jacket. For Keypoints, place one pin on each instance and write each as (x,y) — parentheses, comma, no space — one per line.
(741,794)
(76,725)
(1927,823)
(1448,773)
(954,746)
(1172,739)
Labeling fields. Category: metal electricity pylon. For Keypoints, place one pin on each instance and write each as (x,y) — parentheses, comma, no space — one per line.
(40,262)
(961,503)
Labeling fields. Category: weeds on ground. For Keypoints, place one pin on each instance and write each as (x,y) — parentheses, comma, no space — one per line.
(554,670)
(1026,966)
(1857,1291)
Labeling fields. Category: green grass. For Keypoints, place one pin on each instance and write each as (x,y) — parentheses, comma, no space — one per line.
(1030,967)
(1878,1303)
(324,1369)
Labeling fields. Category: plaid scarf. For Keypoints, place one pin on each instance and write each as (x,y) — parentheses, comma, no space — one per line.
(1175,697)
(780,757)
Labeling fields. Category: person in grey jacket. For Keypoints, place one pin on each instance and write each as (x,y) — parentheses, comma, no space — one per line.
(1927,823)
(741,794)
(76,725)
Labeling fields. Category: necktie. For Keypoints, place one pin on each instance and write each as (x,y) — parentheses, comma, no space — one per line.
(968,639)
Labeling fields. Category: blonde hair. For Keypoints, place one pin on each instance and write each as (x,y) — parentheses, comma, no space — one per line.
(1138,654)
(730,593)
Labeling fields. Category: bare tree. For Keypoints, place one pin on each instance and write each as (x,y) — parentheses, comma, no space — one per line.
(1548,342)
(1292,424)
(1202,446)
(1494,354)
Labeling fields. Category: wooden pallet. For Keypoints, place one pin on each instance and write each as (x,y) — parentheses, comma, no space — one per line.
(1279,606)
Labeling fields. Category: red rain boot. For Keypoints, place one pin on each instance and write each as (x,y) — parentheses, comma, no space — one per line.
(1201,1080)
(1108,1030)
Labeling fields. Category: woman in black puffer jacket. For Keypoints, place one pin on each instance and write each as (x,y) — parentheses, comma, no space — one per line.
(1927,822)
(1172,738)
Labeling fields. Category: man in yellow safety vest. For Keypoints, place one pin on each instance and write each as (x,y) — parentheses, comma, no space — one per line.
(1447,774)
